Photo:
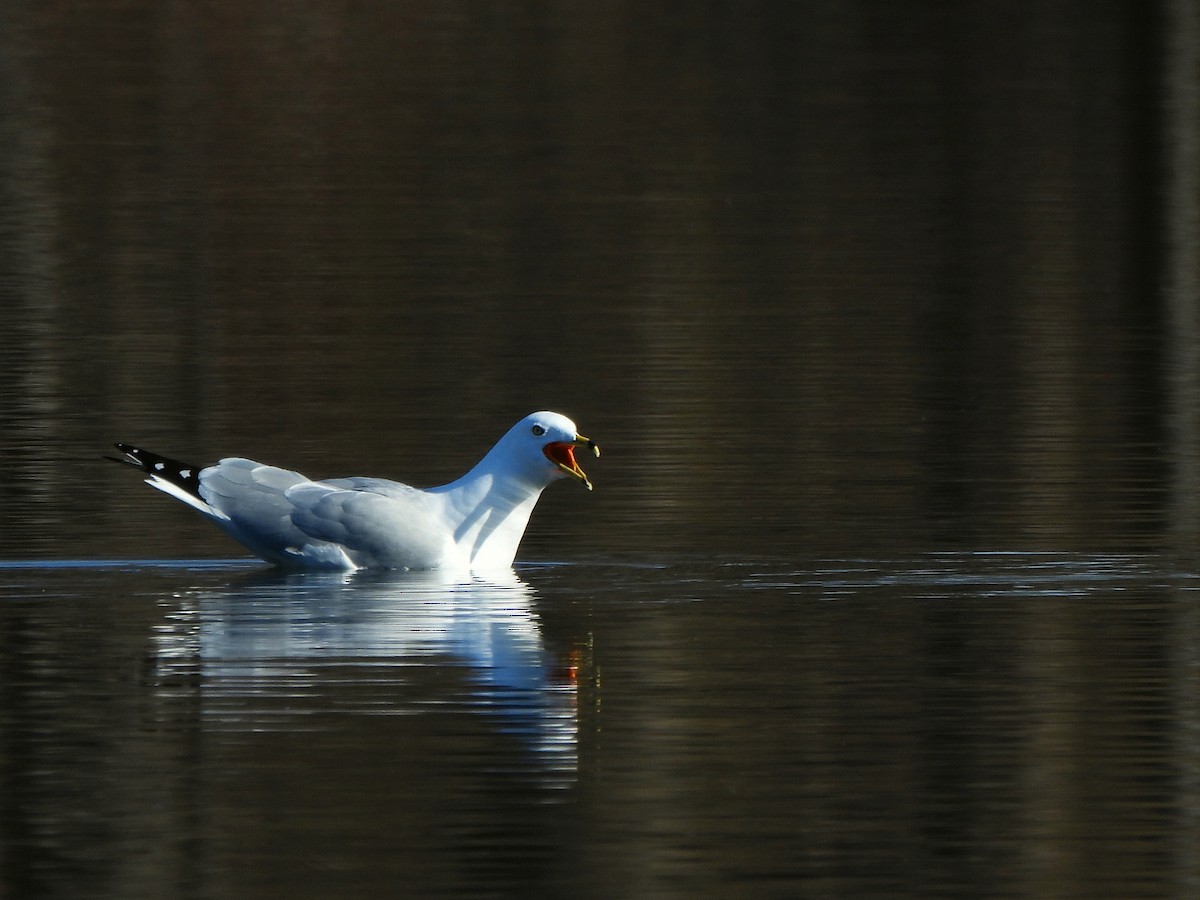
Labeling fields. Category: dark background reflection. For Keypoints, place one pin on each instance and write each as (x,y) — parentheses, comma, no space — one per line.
(817,274)
(835,281)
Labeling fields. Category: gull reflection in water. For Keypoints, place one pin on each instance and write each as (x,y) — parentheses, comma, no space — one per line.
(275,651)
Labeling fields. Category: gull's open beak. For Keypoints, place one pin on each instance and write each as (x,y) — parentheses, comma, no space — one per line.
(562,454)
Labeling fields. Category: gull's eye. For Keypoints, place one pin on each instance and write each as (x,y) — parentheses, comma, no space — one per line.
(538,430)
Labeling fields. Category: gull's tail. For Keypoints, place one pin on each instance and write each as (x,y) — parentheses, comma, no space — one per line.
(163,471)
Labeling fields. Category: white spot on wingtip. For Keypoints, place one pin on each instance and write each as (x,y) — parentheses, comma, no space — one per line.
(158,467)
(185,473)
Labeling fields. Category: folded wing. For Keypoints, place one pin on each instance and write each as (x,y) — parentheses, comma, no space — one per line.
(381,524)
(342,523)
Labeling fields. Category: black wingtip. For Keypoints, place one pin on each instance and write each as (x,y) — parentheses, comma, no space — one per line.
(127,460)
(182,474)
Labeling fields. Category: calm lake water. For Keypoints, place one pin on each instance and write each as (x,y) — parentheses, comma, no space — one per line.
(885,316)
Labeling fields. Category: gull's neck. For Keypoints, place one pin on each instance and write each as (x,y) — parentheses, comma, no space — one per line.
(489,508)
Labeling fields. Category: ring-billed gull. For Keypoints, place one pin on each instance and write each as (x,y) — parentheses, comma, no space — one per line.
(473,523)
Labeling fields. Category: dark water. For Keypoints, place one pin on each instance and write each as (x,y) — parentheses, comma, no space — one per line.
(999,724)
(885,316)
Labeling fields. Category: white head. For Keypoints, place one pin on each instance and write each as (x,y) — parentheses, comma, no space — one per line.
(546,441)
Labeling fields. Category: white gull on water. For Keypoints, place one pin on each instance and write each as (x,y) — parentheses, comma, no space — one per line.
(473,523)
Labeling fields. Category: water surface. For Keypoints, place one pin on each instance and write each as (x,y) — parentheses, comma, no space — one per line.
(884,315)
(998,724)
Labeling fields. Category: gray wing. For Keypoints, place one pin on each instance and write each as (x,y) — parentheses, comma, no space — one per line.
(379,522)
(251,498)
(283,516)
(393,489)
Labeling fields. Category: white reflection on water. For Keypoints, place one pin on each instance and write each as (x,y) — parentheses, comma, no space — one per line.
(287,652)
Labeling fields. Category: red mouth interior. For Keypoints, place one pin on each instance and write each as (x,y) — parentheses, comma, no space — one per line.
(562,453)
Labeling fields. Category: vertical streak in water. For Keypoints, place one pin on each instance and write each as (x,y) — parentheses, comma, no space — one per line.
(1181,100)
